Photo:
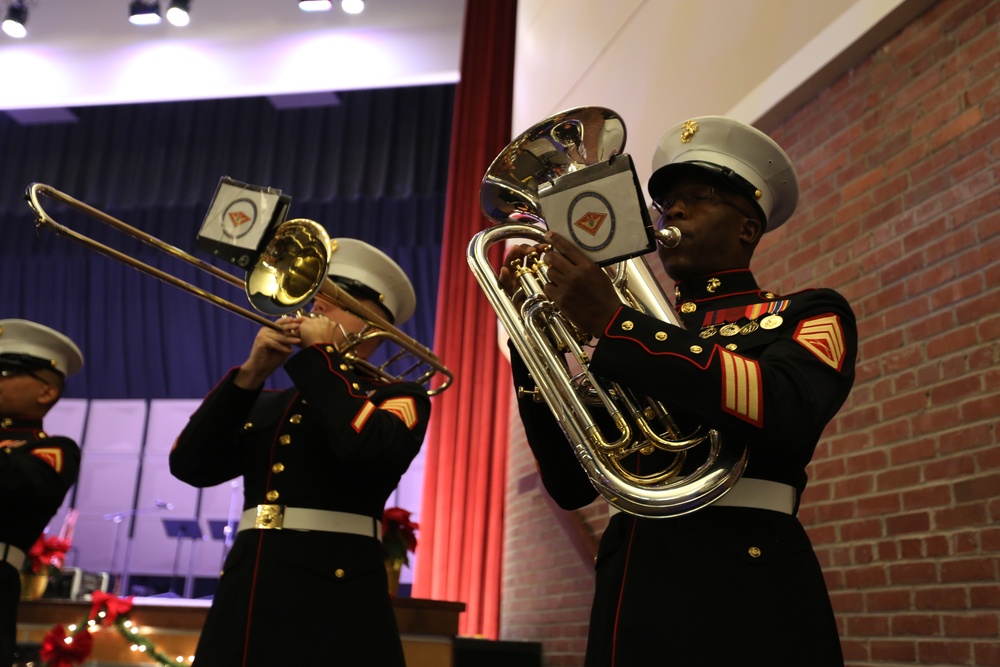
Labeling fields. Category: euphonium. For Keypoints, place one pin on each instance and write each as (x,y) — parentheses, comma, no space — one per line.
(701,466)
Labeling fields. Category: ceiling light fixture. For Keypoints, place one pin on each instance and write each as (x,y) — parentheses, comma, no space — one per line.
(144,12)
(178,12)
(315,5)
(13,22)
(352,6)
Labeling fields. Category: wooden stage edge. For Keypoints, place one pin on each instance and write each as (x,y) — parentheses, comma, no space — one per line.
(427,627)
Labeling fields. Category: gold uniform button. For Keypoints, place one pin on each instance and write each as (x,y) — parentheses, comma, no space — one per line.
(344,367)
(272,495)
(248,426)
(6,422)
(330,348)
(295,419)
(355,385)
(754,552)
(627,325)
(769,295)
(661,335)
(42,435)
(285,440)
(731,347)
(689,307)
(696,349)
(278,467)
(339,573)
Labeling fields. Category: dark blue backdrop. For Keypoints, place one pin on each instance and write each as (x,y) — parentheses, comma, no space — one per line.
(374,168)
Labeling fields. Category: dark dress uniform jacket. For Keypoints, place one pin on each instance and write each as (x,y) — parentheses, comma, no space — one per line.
(34,479)
(722,585)
(291,597)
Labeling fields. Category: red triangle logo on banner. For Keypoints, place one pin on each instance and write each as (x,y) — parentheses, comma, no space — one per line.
(591,222)
(238,218)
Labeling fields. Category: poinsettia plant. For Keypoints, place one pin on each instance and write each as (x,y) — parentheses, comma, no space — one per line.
(399,534)
(47,555)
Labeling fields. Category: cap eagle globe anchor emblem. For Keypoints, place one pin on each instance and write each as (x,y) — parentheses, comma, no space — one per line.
(687,131)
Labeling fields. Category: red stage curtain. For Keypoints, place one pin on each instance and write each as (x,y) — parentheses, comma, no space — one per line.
(461,523)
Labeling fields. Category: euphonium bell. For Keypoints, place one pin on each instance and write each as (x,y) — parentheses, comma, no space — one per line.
(699,467)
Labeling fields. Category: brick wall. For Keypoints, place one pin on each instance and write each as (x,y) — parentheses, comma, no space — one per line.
(900,211)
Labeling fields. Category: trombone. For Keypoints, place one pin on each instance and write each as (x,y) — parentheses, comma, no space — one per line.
(291,272)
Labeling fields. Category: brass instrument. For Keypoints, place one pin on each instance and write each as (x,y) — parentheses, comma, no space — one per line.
(291,272)
(554,349)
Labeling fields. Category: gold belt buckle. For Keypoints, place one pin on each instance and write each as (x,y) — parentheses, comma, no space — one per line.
(269,516)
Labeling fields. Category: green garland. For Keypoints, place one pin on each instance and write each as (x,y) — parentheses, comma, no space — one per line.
(57,654)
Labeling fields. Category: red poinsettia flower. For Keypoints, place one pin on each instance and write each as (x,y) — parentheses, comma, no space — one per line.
(47,552)
(112,605)
(62,650)
(398,534)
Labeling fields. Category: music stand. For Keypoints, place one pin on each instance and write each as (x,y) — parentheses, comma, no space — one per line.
(218,528)
(180,529)
(221,529)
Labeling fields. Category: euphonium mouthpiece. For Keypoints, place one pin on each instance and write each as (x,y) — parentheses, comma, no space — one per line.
(668,237)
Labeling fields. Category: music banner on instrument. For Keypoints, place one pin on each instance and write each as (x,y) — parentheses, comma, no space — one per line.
(241,220)
(601,209)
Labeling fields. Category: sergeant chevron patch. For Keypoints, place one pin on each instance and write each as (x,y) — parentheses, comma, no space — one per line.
(51,455)
(403,407)
(824,337)
(742,394)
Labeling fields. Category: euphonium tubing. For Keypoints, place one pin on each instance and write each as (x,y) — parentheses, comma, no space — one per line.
(663,494)
(565,142)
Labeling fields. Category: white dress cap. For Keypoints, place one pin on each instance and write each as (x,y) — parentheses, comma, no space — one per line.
(751,162)
(29,345)
(358,261)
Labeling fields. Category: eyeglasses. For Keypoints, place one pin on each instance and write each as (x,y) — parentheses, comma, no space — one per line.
(14,372)
(694,197)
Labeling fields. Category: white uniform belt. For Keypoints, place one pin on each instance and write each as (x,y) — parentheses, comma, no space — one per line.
(761,494)
(11,554)
(269,517)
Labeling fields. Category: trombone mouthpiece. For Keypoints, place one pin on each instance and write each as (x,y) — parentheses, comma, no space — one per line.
(668,237)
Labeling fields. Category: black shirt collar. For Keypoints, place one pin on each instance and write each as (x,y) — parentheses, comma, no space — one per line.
(715,286)
(18,425)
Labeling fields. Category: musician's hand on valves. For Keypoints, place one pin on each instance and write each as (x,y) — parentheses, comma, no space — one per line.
(515,258)
(579,288)
(270,349)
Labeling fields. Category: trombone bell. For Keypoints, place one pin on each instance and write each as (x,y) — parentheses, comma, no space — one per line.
(291,269)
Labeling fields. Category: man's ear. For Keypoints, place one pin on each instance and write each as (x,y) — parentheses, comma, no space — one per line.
(48,396)
(751,230)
